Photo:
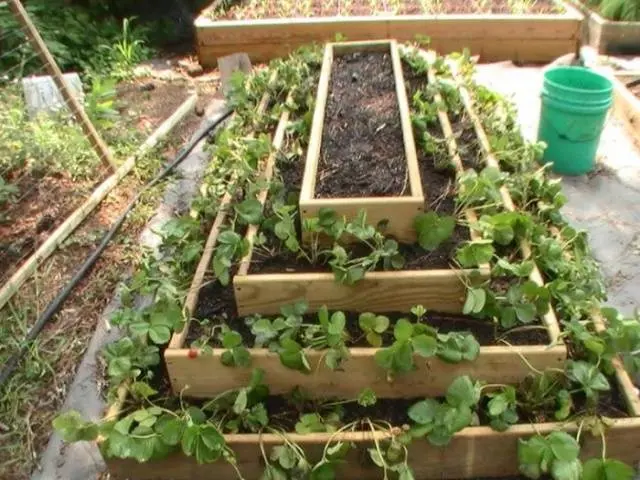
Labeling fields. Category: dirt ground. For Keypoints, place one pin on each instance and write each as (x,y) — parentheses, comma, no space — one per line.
(32,397)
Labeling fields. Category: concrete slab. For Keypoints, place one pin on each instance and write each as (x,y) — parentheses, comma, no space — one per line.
(606,202)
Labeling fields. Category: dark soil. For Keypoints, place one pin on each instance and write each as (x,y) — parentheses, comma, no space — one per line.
(321,8)
(362,153)
(217,304)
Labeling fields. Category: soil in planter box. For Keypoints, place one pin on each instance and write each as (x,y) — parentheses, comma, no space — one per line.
(362,152)
(254,9)
(216,303)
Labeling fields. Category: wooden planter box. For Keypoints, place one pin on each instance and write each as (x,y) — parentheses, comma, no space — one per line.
(473,452)
(523,38)
(626,104)
(400,211)
(437,290)
(607,36)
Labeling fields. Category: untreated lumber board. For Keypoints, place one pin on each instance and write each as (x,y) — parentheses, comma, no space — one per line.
(525,38)
(473,452)
(626,105)
(204,376)
(438,290)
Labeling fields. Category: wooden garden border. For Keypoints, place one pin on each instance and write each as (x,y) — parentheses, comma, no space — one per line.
(473,452)
(525,38)
(607,36)
(204,375)
(399,211)
(626,105)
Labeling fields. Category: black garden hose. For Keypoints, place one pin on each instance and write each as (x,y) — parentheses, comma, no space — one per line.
(633,83)
(54,306)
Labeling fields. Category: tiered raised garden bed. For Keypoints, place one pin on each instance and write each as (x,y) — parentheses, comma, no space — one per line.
(552,29)
(608,36)
(439,290)
(198,376)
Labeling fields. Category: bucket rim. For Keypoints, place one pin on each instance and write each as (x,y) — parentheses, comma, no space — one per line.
(588,71)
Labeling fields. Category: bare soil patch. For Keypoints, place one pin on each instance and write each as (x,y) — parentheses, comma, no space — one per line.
(362,152)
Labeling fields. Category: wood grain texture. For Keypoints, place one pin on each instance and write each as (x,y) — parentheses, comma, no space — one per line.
(439,290)
(317,126)
(525,38)
(489,50)
(399,212)
(549,318)
(411,156)
(474,452)
(205,376)
(627,107)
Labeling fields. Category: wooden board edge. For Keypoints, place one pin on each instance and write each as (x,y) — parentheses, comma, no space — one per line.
(627,108)
(317,125)
(411,156)
(374,276)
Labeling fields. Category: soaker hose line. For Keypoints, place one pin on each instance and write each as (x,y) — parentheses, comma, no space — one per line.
(54,306)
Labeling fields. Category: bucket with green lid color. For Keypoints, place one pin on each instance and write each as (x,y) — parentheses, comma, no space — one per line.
(575,102)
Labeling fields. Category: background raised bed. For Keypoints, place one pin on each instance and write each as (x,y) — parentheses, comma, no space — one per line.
(608,36)
(495,37)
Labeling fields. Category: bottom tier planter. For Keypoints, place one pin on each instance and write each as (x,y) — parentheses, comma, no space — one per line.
(474,452)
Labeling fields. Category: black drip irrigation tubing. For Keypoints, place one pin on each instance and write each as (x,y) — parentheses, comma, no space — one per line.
(633,83)
(54,306)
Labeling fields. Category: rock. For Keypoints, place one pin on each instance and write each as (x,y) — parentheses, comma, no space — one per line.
(192,69)
(147,87)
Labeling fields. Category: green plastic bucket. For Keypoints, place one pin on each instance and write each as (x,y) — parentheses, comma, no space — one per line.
(575,102)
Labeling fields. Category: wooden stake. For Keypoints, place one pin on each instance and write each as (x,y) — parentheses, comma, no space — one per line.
(77,217)
(101,148)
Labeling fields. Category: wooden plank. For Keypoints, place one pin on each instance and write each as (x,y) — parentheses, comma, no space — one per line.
(402,210)
(439,290)
(441,27)
(549,318)
(204,376)
(317,126)
(490,49)
(407,127)
(627,108)
(473,452)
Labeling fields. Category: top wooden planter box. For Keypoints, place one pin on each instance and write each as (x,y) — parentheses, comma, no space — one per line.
(608,36)
(495,37)
(399,211)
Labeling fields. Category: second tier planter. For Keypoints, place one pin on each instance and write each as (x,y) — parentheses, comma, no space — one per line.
(371,76)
